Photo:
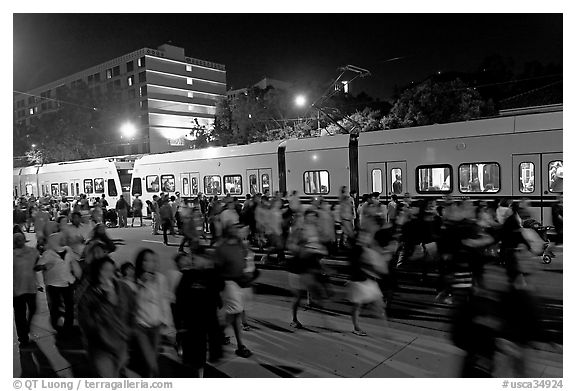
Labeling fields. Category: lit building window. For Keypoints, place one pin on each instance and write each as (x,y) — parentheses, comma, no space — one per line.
(141,62)
(189,80)
(131,80)
(188,68)
(190,94)
(32,111)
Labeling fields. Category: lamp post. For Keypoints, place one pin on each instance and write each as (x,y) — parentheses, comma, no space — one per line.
(301,101)
(128,130)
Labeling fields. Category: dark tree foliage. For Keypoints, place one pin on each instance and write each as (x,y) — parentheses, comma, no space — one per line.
(85,125)
(433,102)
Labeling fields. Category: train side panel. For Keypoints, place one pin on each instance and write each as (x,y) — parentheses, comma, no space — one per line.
(318,167)
(93,178)
(237,170)
(497,156)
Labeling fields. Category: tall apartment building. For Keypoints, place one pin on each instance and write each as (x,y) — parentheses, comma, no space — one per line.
(168,91)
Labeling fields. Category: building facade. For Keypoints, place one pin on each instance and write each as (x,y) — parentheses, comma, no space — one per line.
(168,92)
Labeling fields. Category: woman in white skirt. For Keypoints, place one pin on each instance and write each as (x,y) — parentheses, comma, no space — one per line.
(368,263)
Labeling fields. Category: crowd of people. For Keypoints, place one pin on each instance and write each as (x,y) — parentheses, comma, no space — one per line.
(122,309)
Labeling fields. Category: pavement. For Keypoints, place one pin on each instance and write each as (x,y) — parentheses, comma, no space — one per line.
(403,346)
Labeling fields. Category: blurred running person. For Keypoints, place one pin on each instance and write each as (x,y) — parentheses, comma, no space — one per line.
(196,312)
(152,309)
(24,286)
(231,261)
(106,318)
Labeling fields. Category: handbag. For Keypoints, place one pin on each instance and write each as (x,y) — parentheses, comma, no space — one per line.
(535,242)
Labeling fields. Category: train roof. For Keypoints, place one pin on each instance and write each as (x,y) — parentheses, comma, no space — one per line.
(99,163)
(314,143)
(267,147)
(482,127)
(30,170)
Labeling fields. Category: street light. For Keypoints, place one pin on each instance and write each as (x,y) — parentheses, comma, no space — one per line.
(128,130)
(300,100)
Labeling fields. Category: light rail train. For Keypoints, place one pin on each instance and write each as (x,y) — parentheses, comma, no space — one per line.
(515,155)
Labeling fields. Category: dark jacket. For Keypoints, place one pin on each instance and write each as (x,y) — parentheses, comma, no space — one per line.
(107,326)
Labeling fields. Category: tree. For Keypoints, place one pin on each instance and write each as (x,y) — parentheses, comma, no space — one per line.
(434,102)
(367,120)
(82,126)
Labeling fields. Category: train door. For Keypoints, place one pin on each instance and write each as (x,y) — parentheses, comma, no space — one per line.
(75,187)
(259,180)
(552,183)
(534,176)
(387,178)
(190,184)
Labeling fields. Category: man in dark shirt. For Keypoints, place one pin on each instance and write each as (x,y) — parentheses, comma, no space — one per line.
(122,210)
(137,209)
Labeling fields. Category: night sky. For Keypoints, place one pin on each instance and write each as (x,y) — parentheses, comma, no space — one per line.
(300,48)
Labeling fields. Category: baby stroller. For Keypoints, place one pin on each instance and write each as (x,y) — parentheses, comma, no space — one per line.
(111,219)
(544,232)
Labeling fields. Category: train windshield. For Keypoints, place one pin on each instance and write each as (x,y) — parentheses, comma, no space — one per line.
(125,178)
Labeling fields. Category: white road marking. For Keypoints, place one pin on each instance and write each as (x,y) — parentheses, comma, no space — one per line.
(152,241)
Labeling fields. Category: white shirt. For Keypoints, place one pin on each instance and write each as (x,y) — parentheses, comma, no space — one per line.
(58,271)
(152,303)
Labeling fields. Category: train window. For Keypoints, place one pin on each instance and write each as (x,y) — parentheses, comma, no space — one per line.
(112,192)
(316,182)
(253,182)
(185,187)
(88,186)
(136,186)
(212,185)
(479,177)
(29,189)
(55,190)
(233,184)
(152,184)
(64,189)
(194,185)
(98,185)
(377,180)
(434,179)
(527,177)
(77,188)
(396,180)
(168,183)
(556,176)
(265,183)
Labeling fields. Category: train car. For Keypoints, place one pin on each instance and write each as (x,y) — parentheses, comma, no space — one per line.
(93,177)
(515,156)
(16,192)
(318,166)
(235,170)
(27,181)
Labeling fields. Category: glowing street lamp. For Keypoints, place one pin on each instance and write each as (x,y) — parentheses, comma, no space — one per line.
(128,130)
(300,101)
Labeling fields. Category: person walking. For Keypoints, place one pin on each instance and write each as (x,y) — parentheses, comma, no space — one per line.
(24,286)
(61,270)
(166,219)
(152,310)
(106,318)
(174,208)
(196,311)
(137,210)
(231,262)
(122,210)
